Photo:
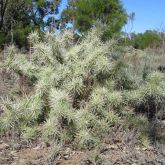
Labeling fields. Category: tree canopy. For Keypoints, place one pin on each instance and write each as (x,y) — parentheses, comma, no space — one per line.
(84,14)
(18,18)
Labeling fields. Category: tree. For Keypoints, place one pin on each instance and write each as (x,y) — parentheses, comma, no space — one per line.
(85,13)
(18,18)
(148,39)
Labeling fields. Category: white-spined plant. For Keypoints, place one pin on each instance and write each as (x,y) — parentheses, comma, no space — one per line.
(78,89)
(66,97)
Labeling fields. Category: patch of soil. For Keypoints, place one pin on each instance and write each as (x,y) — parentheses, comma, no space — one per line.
(107,154)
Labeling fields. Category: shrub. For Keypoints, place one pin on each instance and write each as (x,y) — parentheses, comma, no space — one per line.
(79,91)
(150,97)
(67,97)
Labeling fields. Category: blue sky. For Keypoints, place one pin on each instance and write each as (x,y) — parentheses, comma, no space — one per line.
(149,14)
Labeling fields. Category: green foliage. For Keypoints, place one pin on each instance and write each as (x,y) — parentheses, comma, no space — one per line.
(19,18)
(29,133)
(85,139)
(148,39)
(86,13)
(144,139)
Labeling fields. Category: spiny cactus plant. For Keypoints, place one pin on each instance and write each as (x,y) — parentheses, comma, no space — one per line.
(66,97)
(150,97)
(78,90)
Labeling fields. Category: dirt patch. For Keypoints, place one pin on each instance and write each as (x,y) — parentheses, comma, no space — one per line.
(107,154)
